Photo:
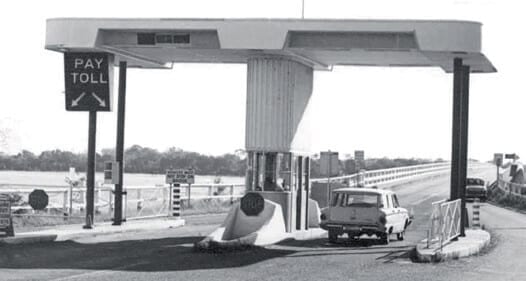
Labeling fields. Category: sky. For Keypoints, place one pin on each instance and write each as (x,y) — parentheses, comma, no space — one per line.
(388,112)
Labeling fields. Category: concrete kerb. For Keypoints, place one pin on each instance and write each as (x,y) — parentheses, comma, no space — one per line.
(73,232)
(472,244)
(28,239)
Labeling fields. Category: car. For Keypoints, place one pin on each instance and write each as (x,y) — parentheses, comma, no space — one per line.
(364,211)
(476,188)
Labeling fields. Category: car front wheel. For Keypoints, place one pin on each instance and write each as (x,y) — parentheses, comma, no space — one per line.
(333,237)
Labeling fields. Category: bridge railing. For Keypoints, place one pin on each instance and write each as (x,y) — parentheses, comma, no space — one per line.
(389,176)
(445,222)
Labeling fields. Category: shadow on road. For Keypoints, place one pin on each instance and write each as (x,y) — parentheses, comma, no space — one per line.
(170,254)
(320,247)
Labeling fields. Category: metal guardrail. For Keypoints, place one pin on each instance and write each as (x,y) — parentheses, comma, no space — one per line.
(512,188)
(392,175)
(445,223)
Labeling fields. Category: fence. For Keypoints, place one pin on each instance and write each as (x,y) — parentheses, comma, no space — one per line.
(139,201)
(148,201)
(445,222)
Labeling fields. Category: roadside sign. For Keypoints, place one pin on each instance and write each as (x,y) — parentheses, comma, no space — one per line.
(178,176)
(359,160)
(5,211)
(497,159)
(88,78)
(329,163)
(252,204)
(111,172)
(359,155)
(38,199)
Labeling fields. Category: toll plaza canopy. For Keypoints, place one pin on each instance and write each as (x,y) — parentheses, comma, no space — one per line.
(318,43)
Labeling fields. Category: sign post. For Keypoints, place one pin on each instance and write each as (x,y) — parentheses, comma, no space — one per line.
(88,79)
(176,177)
(119,147)
(497,160)
(6,222)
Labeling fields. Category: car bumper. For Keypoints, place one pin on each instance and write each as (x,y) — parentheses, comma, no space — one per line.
(354,228)
(478,195)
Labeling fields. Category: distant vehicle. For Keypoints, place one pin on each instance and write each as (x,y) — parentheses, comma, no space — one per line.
(476,188)
(359,211)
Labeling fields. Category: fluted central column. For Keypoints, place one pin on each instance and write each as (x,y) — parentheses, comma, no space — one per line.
(278,95)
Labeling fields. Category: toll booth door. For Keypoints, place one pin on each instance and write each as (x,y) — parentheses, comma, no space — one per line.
(299,193)
(306,177)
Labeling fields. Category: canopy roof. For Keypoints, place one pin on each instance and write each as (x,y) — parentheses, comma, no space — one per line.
(320,43)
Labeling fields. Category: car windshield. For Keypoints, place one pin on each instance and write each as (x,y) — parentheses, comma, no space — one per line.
(474,182)
(355,199)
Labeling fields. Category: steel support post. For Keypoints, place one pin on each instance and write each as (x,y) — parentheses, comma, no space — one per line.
(463,168)
(90,177)
(119,149)
(456,135)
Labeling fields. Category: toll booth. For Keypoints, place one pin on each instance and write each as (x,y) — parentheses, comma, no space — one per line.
(277,134)
(284,179)
(280,55)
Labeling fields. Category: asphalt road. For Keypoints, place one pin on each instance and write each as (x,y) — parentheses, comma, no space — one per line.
(168,255)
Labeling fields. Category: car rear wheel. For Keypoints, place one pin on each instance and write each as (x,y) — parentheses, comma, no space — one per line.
(400,236)
(333,236)
(384,239)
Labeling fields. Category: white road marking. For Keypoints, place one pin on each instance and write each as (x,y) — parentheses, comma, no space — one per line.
(98,272)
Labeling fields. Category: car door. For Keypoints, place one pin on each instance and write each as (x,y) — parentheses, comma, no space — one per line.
(390,212)
(400,216)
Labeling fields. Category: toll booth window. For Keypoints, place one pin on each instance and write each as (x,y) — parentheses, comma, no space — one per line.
(285,170)
(270,171)
(273,181)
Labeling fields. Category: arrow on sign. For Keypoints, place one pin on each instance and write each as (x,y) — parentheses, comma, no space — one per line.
(101,101)
(75,102)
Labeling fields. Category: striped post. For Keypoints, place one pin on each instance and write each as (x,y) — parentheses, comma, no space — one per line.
(176,201)
(476,213)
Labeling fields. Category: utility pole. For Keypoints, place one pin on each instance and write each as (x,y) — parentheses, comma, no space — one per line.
(119,149)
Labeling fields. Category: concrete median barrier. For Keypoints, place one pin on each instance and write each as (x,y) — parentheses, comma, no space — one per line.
(472,244)
(240,230)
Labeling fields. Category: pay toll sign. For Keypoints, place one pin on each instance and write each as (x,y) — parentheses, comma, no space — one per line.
(88,81)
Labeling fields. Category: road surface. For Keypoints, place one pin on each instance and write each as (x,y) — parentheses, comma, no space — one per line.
(168,255)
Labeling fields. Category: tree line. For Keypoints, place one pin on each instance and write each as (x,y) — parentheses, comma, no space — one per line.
(140,159)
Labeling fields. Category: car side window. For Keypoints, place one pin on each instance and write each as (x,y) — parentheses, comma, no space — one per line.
(395,201)
(335,199)
(343,199)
